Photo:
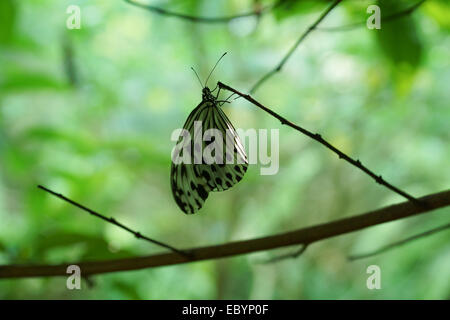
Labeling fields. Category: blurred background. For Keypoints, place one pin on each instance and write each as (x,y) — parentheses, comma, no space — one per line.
(89,113)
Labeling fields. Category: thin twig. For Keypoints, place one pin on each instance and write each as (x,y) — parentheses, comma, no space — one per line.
(89,281)
(115,222)
(70,67)
(388,18)
(398,243)
(301,236)
(199,19)
(317,137)
(294,47)
(291,255)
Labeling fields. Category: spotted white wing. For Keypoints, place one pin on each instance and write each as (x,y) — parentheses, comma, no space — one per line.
(192,182)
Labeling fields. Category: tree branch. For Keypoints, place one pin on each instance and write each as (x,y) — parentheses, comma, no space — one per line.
(399,243)
(199,19)
(388,18)
(317,137)
(302,236)
(115,222)
(294,47)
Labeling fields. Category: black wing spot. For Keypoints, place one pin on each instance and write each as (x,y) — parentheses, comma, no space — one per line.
(193,186)
(202,192)
(206,175)
(228,184)
(181,204)
(229,176)
(237,168)
(218,181)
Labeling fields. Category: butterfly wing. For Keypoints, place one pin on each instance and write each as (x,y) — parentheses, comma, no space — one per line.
(192,182)
(222,176)
(190,189)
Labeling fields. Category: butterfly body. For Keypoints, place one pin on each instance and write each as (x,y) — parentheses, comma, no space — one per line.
(191,181)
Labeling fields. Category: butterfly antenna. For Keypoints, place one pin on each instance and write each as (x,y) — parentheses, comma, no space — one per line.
(198,78)
(214,68)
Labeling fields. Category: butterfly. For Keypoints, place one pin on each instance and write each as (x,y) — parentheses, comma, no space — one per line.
(194,174)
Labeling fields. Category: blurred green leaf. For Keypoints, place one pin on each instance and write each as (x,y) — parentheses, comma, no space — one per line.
(56,239)
(30,81)
(398,38)
(128,290)
(79,141)
(439,11)
(7,20)
(291,8)
(94,247)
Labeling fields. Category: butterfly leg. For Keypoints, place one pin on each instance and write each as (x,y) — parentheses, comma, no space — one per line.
(218,92)
(230,96)
(227,100)
(222,102)
(214,88)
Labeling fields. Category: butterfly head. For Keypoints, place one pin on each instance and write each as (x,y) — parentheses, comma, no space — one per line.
(207,95)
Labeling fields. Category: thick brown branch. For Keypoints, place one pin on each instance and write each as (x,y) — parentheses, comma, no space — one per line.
(294,47)
(317,137)
(302,236)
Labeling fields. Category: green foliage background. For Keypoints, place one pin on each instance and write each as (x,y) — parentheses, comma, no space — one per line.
(89,113)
